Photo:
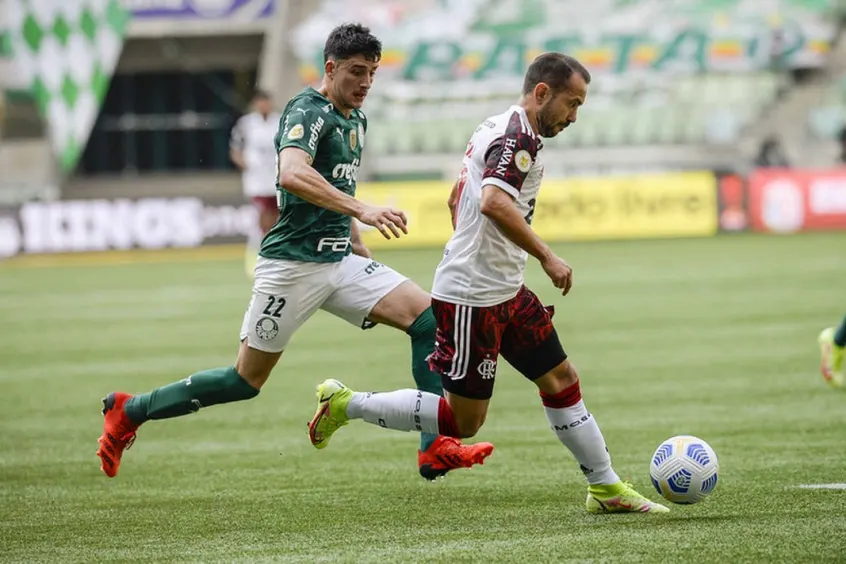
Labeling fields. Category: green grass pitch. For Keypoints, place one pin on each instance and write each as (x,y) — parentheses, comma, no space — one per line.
(712,337)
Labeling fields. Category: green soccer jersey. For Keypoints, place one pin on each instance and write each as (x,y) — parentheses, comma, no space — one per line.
(304,231)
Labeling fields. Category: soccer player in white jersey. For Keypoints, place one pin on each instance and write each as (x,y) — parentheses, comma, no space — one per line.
(252,150)
(482,308)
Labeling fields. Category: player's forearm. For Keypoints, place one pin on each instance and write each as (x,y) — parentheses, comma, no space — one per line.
(308,184)
(237,158)
(507,217)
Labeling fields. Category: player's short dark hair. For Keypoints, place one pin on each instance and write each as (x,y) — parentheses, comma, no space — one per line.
(554,69)
(349,40)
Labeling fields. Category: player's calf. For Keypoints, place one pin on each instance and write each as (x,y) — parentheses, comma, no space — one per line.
(124,413)
(400,410)
(574,425)
(469,414)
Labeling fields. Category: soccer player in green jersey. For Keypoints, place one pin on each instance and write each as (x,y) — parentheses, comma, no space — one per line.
(313,258)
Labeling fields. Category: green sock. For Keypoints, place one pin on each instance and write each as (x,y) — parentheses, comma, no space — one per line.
(203,389)
(840,335)
(422,333)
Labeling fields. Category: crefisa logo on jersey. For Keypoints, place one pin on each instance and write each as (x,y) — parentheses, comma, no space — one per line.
(348,171)
(315,133)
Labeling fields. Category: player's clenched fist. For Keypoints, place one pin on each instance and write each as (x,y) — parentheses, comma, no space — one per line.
(559,272)
(387,220)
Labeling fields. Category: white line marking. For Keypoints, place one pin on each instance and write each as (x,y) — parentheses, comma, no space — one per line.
(840,486)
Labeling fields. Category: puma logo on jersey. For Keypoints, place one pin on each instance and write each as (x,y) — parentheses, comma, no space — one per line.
(303,110)
(507,155)
(315,133)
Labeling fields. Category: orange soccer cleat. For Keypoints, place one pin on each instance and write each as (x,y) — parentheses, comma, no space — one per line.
(118,433)
(447,453)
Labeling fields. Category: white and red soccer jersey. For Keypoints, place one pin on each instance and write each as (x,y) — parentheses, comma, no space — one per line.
(481,266)
(253,136)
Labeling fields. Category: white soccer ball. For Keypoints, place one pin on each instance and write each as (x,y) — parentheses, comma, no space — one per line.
(684,469)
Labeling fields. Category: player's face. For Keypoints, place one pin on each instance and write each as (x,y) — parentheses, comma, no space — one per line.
(559,110)
(263,105)
(351,80)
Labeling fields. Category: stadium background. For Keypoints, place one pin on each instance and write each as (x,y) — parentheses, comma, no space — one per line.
(701,199)
(703,119)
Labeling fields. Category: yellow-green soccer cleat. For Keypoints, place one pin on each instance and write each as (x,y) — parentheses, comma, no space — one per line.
(331,414)
(620,498)
(832,356)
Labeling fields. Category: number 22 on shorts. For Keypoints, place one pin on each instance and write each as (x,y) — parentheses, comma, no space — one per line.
(274,306)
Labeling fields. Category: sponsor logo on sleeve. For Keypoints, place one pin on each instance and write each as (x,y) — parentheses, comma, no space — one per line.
(296,132)
(523,160)
(315,129)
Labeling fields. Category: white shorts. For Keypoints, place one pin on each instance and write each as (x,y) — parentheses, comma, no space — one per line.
(287,292)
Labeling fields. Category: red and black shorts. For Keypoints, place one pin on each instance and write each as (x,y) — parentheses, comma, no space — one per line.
(469,340)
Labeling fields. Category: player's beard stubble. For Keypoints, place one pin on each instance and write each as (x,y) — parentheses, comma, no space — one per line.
(548,126)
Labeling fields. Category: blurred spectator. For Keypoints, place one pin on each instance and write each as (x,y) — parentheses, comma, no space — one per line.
(777,49)
(252,151)
(772,154)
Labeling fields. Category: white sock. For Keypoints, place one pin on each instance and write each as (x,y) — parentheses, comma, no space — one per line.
(402,410)
(578,431)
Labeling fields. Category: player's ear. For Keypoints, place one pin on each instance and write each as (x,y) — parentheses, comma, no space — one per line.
(542,93)
(329,67)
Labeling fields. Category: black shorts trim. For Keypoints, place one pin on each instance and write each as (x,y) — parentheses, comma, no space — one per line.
(534,363)
(460,388)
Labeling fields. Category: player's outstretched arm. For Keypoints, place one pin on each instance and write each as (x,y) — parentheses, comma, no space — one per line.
(498,206)
(298,177)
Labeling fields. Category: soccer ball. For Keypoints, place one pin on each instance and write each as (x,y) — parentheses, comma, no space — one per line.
(684,469)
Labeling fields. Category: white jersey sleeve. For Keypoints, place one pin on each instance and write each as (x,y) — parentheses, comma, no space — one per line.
(481,266)
(253,135)
(237,138)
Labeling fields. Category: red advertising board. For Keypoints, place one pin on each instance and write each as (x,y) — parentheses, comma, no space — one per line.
(787,201)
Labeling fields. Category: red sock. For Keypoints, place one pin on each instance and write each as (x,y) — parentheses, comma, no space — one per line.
(567,397)
(446,421)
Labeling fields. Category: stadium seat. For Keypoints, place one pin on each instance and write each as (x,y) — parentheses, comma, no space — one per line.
(668,105)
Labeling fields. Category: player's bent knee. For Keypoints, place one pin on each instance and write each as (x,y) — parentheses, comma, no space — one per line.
(254,365)
(558,379)
(566,374)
